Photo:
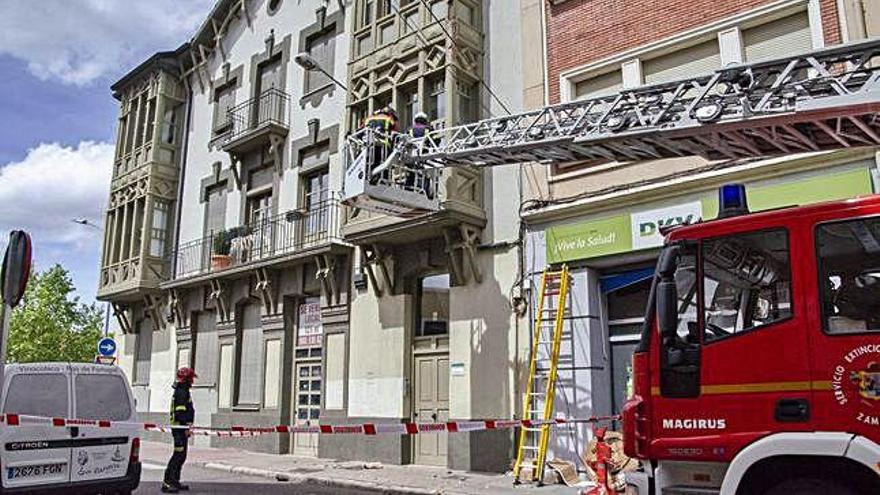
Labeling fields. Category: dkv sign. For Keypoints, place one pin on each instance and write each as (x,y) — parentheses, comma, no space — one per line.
(646,225)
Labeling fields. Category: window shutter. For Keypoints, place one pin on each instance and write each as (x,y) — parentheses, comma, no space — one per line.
(601,85)
(697,60)
(787,36)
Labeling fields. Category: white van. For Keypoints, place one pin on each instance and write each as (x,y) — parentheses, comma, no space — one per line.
(72,459)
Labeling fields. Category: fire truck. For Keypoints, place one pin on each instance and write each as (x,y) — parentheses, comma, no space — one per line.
(758,369)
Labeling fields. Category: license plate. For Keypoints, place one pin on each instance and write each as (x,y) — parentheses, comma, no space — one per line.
(35,470)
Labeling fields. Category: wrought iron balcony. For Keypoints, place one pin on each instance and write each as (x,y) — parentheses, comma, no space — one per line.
(253,122)
(296,232)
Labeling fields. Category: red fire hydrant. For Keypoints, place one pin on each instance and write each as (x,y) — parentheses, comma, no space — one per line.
(601,466)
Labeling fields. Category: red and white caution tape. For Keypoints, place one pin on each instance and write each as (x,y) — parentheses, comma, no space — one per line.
(324,429)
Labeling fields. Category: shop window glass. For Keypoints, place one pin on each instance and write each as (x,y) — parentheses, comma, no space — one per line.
(746,282)
(629,302)
(849,275)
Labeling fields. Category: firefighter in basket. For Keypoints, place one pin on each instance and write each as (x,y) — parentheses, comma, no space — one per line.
(418,178)
(384,123)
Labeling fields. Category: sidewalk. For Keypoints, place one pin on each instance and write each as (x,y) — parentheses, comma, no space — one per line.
(390,479)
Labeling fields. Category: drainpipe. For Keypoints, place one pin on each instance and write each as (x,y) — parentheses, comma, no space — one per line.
(185,146)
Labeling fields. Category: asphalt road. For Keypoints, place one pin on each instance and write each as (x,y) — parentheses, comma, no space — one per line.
(209,481)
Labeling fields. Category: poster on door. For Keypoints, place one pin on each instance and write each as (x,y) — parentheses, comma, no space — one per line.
(309,329)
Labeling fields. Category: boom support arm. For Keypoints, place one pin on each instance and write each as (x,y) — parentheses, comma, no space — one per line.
(823,100)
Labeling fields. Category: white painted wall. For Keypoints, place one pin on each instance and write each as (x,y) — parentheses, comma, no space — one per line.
(377,367)
(240,44)
(163,369)
(503,72)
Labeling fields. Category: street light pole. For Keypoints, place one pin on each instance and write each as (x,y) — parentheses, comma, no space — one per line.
(309,64)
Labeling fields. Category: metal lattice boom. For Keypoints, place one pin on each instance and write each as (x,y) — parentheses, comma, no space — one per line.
(823,100)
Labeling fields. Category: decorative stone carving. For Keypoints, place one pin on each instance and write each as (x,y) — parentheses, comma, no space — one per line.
(461,247)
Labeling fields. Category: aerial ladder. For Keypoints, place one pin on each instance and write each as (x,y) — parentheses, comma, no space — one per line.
(824,100)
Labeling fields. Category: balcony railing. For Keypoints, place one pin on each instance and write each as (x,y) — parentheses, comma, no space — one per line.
(284,234)
(270,108)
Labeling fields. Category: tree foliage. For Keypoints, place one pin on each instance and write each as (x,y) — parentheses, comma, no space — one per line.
(51,324)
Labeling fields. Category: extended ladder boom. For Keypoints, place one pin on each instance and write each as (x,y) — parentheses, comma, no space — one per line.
(823,100)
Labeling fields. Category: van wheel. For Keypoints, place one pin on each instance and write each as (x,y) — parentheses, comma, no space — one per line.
(810,486)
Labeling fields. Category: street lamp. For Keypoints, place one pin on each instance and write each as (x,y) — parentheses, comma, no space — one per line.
(309,64)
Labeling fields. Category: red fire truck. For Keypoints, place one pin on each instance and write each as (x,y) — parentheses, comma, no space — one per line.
(758,370)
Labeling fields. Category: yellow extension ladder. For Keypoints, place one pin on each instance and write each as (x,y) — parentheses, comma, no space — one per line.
(549,322)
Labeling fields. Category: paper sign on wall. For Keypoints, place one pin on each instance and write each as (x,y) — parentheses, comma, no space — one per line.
(309,329)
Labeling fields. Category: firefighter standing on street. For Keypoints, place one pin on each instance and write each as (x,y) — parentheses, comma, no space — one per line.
(182,414)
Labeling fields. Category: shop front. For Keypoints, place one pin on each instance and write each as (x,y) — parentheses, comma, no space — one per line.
(612,252)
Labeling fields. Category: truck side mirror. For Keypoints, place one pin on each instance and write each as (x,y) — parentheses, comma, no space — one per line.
(667,292)
(667,306)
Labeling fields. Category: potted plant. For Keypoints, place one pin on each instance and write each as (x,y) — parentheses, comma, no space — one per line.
(220,257)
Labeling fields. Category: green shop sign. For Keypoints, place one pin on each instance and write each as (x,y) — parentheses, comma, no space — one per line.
(589,239)
(613,235)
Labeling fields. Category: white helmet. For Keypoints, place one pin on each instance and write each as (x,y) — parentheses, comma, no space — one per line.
(421,117)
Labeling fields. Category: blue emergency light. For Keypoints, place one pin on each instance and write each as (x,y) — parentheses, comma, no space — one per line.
(732,201)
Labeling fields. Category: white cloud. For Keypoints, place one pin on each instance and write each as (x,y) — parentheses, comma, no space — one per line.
(79,41)
(54,184)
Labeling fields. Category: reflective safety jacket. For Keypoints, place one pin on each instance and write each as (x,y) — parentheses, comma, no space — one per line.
(182,412)
(381,122)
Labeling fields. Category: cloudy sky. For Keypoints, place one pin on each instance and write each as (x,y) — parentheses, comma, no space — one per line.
(58,59)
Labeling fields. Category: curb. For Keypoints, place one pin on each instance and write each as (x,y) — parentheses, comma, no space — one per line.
(300,479)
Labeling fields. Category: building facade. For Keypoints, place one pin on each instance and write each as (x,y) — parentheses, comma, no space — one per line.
(291,307)
(603,218)
(432,294)
(253,272)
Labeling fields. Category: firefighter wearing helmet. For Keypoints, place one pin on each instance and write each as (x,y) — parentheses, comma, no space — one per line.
(420,125)
(182,414)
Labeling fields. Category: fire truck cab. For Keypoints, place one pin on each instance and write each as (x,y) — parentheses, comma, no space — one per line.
(758,369)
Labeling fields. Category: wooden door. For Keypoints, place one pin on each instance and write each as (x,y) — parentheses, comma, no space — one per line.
(431,405)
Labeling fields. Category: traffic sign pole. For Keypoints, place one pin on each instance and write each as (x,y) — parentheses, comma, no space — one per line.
(5,316)
(14,275)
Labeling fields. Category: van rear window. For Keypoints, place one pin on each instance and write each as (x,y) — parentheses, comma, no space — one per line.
(101,397)
(40,394)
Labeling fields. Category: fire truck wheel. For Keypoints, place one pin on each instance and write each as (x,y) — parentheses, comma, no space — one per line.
(810,486)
